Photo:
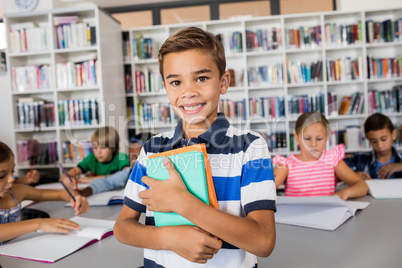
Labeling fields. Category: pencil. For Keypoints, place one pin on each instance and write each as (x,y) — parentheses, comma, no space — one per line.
(68,191)
(76,182)
(65,172)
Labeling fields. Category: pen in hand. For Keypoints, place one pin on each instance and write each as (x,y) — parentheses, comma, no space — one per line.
(68,191)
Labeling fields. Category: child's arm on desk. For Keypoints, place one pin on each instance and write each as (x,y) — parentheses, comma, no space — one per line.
(357,186)
(255,234)
(386,171)
(190,242)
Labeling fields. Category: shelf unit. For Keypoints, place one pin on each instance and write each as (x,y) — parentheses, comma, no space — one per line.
(103,81)
(241,60)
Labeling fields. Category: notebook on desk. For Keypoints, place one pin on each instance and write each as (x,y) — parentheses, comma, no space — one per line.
(51,247)
(385,188)
(319,212)
(104,199)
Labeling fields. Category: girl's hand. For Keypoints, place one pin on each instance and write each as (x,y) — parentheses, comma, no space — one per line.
(67,181)
(166,195)
(80,205)
(192,243)
(59,225)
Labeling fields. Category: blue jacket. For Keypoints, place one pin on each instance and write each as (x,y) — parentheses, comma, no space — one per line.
(367,162)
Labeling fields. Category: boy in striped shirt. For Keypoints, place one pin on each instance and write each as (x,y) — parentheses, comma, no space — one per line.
(192,64)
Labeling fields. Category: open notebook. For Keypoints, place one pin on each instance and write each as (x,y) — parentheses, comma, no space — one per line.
(319,212)
(51,247)
(104,198)
(385,188)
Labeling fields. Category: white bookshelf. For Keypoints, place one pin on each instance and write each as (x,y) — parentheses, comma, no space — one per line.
(107,91)
(240,61)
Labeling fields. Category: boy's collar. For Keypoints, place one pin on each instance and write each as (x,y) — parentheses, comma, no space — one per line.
(213,135)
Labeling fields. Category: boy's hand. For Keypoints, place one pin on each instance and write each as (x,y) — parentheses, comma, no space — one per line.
(363,175)
(386,171)
(59,225)
(192,243)
(67,182)
(89,179)
(32,176)
(80,205)
(166,195)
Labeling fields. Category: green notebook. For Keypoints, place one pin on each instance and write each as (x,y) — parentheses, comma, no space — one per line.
(191,167)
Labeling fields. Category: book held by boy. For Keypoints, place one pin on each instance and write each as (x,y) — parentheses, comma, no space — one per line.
(385,188)
(192,164)
(51,247)
(319,212)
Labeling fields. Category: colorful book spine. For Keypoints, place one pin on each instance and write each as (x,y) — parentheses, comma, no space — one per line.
(30,77)
(263,39)
(300,73)
(269,107)
(74,153)
(78,112)
(77,74)
(303,37)
(37,152)
(154,114)
(235,110)
(298,104)
(266,75)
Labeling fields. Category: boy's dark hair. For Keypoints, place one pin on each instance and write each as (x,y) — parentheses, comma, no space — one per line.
(194,38)
(378,121)
(309,118)
(106,137)
(5,152)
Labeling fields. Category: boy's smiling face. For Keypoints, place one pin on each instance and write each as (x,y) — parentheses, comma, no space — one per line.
(193,86)
(382,141)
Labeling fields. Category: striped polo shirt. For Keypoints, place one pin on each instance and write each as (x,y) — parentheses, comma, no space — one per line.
(311,178)
(243,178)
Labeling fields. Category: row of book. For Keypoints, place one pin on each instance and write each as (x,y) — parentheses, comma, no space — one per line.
(276,141)
(298,104)
(154,114)
(37,152)
(72,33)
(343,34)
(235,110)
(77,74)
(78,112)
(344,69)
(268,107)
(303,37)
(385,101)
(299,73)
(231,41)
(266,75)
(383,31)
(384,67)
(352,104)
(75,152)
(35,113)
(147,81)
(28,36)
(263,39)
(31,77)
(143,48)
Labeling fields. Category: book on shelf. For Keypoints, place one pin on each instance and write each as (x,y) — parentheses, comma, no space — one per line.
(384,67)
(34,152)
(35,113)
(192,164)
(231,41)
(352,104)
(298,104)
(385,101)
(343,34)
(263,39)
(28,36)
(76,152)
(265,75)
(234,110)
(385,188)
(299,73)
(383,31)
(303,37)
(31,77)
(51,247)
(71,32)
(78,112)
(318,212)
(269,107)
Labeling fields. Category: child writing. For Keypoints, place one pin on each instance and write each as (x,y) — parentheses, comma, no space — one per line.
(383,162)
(31,177)
(312,171)
(12,194)
(105,159)
(192,64)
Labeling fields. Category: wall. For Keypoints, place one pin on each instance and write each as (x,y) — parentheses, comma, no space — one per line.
(6,125)
(346,5)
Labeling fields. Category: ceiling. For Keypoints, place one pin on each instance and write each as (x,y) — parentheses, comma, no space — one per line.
(116,3)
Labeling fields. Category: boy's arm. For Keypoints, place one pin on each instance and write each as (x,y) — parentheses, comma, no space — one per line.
(255,234)
(357,186)
(386,171)
(280,173)
(110,183)
(189,242)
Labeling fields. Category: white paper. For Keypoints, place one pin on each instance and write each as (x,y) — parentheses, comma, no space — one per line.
(385,188)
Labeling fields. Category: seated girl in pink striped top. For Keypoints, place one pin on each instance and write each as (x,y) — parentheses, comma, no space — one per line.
(312,172)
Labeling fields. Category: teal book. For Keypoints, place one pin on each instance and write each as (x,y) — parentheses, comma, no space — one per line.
(191,167)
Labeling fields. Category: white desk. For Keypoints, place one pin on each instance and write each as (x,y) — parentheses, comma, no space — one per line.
(372,238)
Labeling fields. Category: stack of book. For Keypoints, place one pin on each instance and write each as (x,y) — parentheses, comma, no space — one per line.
(265,75)
(31,77)
(299,73)
(34,152)
(384,67)
(144,48)
(263,39)
(73,153)
(28,36)
(344,69)
(303,37)
(268,108)
(383,31)
(234,110)
(298,104)
(77,73)
(72,33)
(78,112)
(231,41)
(343,34)
(352,104)
(385,101)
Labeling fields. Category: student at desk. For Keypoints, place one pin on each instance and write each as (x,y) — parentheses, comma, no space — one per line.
(11,196)
(312,171)
(383,162)
(192,65)
(104,161)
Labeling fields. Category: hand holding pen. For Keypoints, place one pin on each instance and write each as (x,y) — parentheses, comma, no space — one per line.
(78,202)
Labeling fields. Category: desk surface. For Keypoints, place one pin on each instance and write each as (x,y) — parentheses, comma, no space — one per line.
(372,238)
